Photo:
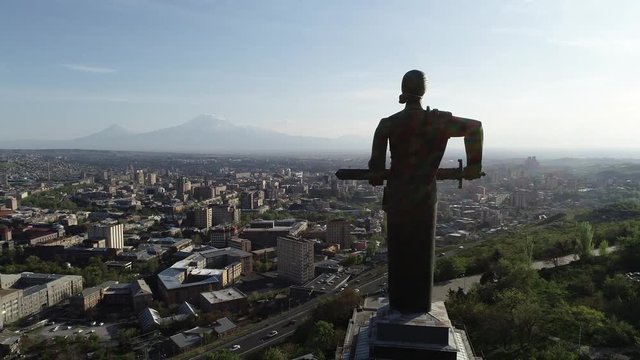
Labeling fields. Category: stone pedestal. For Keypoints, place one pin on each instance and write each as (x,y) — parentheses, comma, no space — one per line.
(393,335)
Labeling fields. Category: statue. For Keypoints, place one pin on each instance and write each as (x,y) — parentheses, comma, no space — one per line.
(417,139)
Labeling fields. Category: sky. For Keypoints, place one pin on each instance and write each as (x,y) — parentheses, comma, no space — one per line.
(538,74)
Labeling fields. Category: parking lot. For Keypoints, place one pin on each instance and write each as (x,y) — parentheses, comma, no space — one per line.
(104,332)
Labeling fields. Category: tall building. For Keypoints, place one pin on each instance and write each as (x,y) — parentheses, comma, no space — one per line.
(251,199)
(295,259)
(112,232)
(152,178)
(225,214)
(183,186)
(140,177)
(339,232)
(202,218)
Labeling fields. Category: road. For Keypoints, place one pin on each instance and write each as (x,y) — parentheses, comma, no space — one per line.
(368,283)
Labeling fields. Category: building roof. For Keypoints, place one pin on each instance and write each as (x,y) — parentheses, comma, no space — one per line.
(185,340)
(223,325)
(187,309)
(215,297)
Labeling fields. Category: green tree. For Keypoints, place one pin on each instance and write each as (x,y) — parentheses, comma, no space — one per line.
(449,268)
(372,247)
(585,240)
(274,353)
(321,337)
(602,248)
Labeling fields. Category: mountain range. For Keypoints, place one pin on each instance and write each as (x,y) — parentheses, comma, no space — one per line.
(203,134)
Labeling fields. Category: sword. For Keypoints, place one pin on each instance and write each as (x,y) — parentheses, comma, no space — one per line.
(442,174)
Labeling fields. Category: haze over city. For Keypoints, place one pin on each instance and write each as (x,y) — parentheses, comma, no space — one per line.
(539,74)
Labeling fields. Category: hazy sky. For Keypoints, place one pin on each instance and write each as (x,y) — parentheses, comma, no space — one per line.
(549,73)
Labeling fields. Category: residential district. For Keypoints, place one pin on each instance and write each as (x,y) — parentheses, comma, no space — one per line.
(155,255)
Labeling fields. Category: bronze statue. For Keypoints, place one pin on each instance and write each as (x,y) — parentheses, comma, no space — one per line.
(417,139)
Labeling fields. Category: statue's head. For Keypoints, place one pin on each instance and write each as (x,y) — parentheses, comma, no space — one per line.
(413,86)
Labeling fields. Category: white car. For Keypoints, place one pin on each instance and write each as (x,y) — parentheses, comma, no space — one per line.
(234,347)
(273,333)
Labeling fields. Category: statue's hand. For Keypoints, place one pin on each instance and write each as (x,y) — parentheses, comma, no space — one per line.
(472,172)
(377,178)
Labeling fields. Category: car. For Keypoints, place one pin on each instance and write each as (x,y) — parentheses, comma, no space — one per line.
(100,324)
(79,331)
(290,322)
(273,333)
(69,327)
(356,290)
(91,331)
(234,347)
(93,323)
(55,328)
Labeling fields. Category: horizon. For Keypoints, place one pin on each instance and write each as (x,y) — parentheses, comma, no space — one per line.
(542,74)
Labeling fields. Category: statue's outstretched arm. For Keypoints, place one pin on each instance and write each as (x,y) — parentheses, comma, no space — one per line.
(473,139)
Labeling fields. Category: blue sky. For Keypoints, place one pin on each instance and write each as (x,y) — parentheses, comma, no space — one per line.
(537,73)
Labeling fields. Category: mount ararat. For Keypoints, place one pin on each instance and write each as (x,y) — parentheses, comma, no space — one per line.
(203,134)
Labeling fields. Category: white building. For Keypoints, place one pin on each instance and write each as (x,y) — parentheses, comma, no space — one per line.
(112,232)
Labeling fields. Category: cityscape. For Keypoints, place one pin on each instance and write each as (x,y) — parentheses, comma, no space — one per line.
(156,255)
(315,180)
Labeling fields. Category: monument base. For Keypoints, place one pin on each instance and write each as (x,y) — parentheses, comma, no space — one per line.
(377,332)
(412,336)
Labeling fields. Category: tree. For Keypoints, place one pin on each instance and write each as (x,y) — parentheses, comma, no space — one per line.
(449,268)
(274,353)
(372,247)
(585,240)
(321,337)
(602,248)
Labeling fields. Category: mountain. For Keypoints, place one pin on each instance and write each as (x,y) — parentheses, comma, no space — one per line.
(206,134)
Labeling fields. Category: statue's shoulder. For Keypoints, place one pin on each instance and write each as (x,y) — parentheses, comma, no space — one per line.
(438,114)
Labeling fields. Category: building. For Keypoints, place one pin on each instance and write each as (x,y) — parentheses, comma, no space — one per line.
(152,178)
(265,233)
(139,177)
(230,299)
(523,198)
(183,186)
(11,203)
(201,193)
(112,232)
(203,271)
(202,218)
(251,199)
(27,293)
(241,244)
(225,214)
(220,235)
(339,232)
(295,259)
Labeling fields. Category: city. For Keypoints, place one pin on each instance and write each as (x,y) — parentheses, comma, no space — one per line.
(314,180)
(157,257)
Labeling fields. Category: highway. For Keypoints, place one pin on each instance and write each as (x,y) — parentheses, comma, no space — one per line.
(368,283)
